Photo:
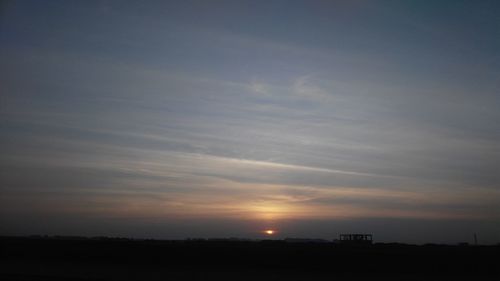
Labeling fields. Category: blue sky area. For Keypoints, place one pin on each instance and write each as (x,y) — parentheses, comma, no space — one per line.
(177,119)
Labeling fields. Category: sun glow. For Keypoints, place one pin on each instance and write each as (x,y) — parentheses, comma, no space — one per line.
(269,232)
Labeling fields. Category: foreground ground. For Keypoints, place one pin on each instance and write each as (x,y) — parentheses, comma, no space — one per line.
(119,259)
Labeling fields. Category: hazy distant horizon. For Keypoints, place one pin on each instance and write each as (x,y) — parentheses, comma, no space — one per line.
(397,231)
(177,119)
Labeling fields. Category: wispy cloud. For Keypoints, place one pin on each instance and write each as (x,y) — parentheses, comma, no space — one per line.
(176,114)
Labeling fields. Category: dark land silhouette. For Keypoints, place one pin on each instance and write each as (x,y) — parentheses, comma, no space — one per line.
(78,258)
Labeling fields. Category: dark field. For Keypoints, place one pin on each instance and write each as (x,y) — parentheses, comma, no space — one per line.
(120,259)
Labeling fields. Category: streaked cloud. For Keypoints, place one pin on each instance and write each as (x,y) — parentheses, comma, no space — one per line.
(168,114)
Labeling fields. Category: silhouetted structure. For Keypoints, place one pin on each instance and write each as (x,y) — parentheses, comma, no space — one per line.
(356,239)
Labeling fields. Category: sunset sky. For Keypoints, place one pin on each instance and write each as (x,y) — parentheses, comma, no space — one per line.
(176,119)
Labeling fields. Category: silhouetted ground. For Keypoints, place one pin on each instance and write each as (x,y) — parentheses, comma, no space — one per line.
(121,259)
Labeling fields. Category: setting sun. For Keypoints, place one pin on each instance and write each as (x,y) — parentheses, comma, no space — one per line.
(269,232)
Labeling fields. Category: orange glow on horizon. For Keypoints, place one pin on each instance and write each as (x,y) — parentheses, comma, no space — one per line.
(269,231)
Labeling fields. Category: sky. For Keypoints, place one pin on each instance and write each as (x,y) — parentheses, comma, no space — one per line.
(177,119)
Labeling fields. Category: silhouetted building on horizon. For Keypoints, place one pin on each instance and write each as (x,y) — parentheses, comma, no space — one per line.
(356,239)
